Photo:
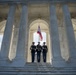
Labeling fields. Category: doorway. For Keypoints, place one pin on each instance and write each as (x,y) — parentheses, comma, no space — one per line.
(34,37)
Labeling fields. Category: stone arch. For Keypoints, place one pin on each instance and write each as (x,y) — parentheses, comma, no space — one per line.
(2,29)
(2,26)
(40,21)
(33,28)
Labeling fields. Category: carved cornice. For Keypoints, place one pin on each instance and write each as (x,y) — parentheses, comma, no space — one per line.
(36,1)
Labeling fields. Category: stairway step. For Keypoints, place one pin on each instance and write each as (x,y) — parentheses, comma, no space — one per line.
(35,73)
(37,69)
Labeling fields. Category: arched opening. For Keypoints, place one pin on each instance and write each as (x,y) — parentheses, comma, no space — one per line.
(2,27)
(33,36)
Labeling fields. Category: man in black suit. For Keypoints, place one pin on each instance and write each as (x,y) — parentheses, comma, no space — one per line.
(33,49)
(38,49)
(44,51)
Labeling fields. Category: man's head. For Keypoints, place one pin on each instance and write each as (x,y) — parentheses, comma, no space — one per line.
(44,43)
(39,43)
(33,43)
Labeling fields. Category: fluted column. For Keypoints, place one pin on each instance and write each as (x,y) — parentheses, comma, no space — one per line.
(20,59)
(55,42)
(70,35)
(7,35)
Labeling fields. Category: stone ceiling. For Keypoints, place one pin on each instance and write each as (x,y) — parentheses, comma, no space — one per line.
(35,11)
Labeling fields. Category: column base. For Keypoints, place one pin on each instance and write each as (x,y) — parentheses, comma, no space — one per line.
(71,62)
(14,63)
(18,62)
(4,62)
(62,63)
(58,63)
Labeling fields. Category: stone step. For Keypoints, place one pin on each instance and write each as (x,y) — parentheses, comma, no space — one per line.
(37,69)
(34,73)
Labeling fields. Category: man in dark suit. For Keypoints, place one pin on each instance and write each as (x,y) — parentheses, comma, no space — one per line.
(33,49)
(38,49)
(44,51)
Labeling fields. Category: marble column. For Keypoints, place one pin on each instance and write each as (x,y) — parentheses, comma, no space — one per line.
(20,59)
(70,35)
(7,36)
(57,60)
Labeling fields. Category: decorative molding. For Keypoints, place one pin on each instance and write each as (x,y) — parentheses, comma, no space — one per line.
(37,1)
